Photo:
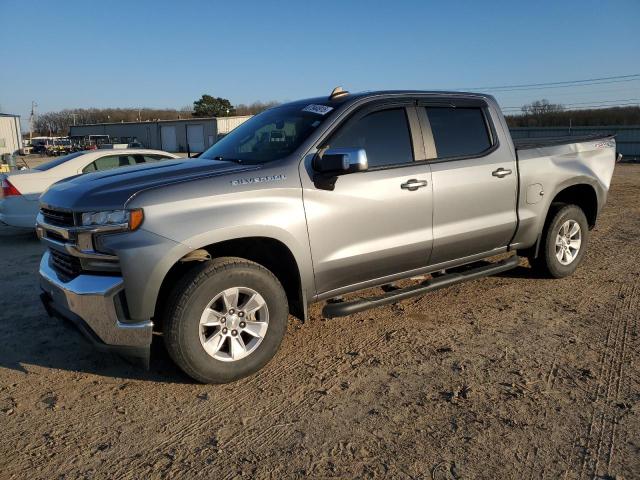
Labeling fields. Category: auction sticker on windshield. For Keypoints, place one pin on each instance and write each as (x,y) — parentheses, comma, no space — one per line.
(319,109)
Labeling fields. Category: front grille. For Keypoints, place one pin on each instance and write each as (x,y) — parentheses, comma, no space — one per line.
(68,265)
(57,217)
(54,236)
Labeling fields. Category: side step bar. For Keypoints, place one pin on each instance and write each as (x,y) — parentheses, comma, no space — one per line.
(342,309)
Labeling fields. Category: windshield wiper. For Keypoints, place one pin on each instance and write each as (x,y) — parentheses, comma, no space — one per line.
(226,159)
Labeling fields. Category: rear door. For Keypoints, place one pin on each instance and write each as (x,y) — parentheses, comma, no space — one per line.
(474,181)
(370,226)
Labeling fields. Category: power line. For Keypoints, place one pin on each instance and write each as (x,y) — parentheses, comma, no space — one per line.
(629,101)
(586,107)
(587,81)
(607,82)
(623,89)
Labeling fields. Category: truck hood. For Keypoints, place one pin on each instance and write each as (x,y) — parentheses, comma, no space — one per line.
(112,189)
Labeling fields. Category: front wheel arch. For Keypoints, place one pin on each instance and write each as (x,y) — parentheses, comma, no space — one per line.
(267,252)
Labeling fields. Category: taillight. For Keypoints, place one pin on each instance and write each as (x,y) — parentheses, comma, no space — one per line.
(8,190)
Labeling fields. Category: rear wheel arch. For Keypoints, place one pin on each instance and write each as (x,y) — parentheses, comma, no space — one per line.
(582,195)
(268,252)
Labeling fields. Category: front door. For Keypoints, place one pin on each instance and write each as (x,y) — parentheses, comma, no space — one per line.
(371,226)
(474,183)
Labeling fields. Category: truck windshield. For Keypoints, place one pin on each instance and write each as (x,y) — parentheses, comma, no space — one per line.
(270,135)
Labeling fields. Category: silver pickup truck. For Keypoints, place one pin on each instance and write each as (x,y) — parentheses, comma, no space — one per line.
(304,203)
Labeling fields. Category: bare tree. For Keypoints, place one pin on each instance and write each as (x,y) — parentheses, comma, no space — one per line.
(541,107)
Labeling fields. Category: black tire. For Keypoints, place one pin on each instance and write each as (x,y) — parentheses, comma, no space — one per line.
(547,263)
(188,301)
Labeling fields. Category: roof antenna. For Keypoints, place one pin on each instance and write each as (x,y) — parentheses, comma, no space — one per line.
(337,93)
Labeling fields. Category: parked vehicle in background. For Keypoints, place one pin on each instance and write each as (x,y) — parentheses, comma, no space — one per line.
(22,189)
(303,203)
(39,144)
(26,147)
(129,142)
(59,146)
(89,142)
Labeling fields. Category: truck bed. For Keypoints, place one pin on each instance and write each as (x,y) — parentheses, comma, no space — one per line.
(524,143)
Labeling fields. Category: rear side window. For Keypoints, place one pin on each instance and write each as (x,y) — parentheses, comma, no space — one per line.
(109,162)
(59,161)
(384,135)
(458,132)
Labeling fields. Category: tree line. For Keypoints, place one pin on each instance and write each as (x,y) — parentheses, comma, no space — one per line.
(578,118)
(542,113)
(58,123)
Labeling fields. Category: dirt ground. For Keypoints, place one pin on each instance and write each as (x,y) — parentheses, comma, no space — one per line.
(505,377)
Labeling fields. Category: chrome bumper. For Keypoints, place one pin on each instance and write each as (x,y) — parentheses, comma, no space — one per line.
(90,302)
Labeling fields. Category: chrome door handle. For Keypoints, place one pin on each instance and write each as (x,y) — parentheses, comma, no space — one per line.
(501,172)
(413,184)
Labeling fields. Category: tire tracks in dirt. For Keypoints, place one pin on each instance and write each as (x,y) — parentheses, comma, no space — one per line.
(270,426)
(601,437)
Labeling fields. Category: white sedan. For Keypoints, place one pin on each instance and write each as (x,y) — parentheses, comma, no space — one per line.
(22,189)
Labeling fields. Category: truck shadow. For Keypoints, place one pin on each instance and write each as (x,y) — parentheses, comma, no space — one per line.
(31,341)
(521,272)
(61,347)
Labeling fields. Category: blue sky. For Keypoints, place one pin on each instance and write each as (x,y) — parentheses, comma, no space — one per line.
(70,54)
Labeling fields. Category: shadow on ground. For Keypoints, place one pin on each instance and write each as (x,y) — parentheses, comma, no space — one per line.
(59,346)
(31,338)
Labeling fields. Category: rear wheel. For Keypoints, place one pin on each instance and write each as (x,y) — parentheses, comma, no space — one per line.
(225,320)
(563,242)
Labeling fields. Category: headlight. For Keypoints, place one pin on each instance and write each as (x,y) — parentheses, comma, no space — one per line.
(130,219)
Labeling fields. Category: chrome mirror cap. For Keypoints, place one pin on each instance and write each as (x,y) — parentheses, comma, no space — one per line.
(342,160)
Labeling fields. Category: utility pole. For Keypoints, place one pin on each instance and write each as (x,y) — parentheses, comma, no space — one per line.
(74,115)
(32,119)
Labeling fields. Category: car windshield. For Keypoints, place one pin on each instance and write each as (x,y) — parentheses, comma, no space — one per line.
(270,135)
(58,161)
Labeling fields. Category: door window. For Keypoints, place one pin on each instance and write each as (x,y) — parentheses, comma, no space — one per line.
(458,132)
(383,134)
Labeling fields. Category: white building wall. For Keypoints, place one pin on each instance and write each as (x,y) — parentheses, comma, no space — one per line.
(226,124)
(10,135)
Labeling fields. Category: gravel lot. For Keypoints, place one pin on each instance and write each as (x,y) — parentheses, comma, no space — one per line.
(506,377)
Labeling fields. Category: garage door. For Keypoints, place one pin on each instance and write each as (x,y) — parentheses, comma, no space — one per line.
(168,136)
(195,137)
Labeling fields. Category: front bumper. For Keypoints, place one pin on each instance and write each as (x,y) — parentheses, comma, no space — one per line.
(94,304)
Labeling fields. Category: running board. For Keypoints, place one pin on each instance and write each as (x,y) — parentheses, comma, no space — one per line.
(342,309)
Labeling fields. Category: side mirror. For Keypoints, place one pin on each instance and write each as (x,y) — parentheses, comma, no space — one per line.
(341,160)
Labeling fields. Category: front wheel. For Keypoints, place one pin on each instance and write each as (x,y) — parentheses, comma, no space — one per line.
(225,320)
(563,242)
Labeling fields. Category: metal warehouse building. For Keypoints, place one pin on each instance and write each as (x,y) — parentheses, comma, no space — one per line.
(10,135)
(168,135)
